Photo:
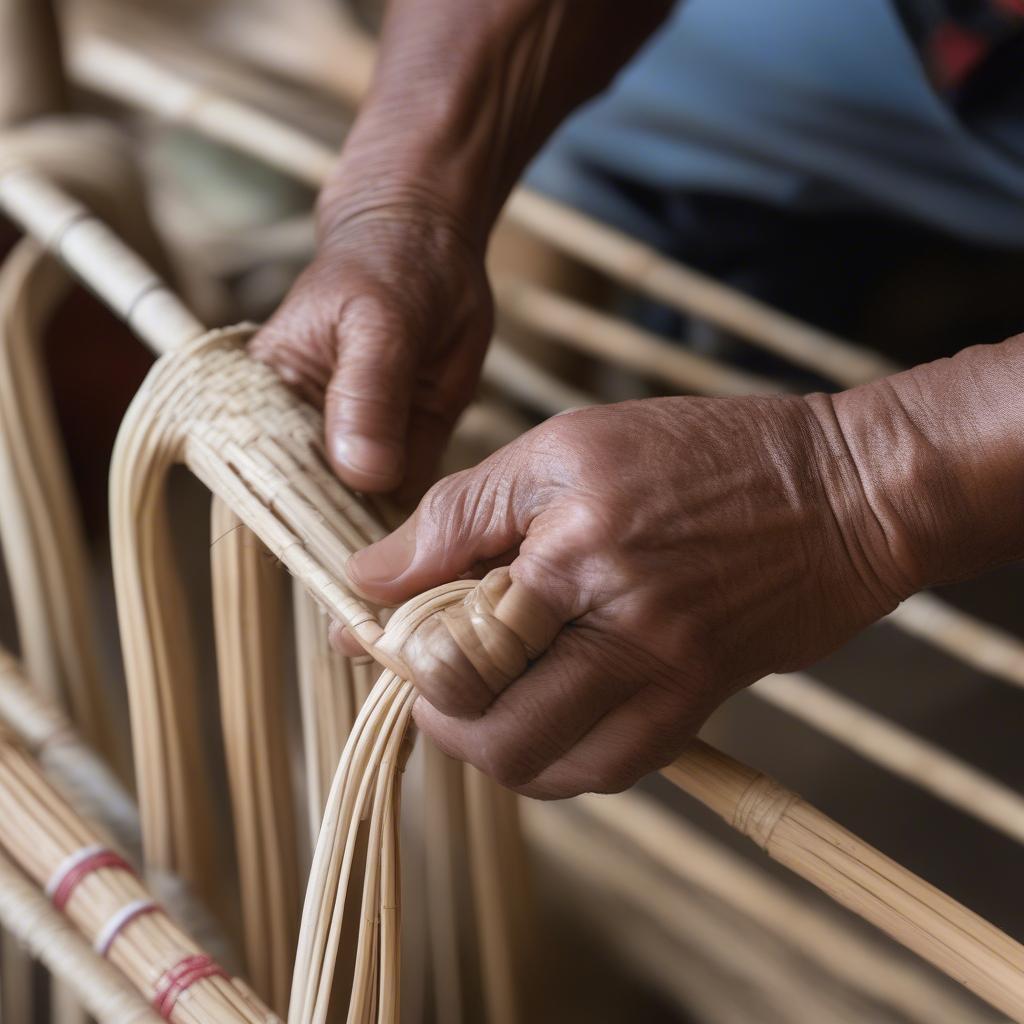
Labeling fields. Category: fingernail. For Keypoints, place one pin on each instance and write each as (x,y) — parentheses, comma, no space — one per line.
(384,561)
(368,456)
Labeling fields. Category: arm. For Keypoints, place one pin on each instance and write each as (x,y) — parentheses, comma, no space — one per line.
(691,546)
(389,324)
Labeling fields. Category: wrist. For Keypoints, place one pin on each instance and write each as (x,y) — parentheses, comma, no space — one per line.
(464,94)
(932,461)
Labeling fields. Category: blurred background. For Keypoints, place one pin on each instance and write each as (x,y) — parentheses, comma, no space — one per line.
(858,166)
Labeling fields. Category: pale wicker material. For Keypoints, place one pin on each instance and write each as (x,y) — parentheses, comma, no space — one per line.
(331,690)
(109,905)
(729,939)
(916,914)
(44,549)
(899,751)
(248,612)
(817,935)
(259,470)
(39,519)
(619,343)
(50,937)
(620,257)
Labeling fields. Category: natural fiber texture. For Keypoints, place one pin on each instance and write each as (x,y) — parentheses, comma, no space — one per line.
(268,466)
(51,938)
(899,751)
(248,613)
(44,548)
(614,253)
(109,905)
(732,940)
(916,914)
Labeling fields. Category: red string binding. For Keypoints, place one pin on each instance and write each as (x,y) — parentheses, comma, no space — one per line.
(61,888)
(178,979)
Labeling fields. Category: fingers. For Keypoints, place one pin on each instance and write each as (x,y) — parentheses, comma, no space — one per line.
(366,409)
(539,718)
(465,519)
(638,737)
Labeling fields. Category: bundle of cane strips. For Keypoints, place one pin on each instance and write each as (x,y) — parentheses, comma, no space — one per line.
(98,890)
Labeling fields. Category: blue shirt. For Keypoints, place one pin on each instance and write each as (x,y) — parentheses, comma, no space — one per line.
(805,104)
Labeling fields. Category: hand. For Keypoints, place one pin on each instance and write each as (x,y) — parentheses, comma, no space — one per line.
(386,330)
(690,546)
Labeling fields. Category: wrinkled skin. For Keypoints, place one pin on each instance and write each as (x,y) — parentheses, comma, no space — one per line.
(386,330)
(689,546)
(692,548)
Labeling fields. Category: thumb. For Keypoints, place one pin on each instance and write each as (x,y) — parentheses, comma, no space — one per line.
(366,409)
(463,520)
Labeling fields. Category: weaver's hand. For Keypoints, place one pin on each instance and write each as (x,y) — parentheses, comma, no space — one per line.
(388,326)
(691,546)
(386,329)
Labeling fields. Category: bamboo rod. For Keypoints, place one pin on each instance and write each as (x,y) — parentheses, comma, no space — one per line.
(40,528)
(617,342)
(98,258)
(984,647)
(109,905)
(916,914)
(688,854)
(518,377)
(621,257)
(719,960)
(896,749)
(247,610)
(52,940)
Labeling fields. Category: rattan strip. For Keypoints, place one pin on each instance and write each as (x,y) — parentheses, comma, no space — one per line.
(899,751)
(52,940)
(684,852)
(137,294)
(247,610)
(108,903)
(916,914)
(619,343)
(42,536)
(129,286)
(701,945)
(222,437)
(623,258)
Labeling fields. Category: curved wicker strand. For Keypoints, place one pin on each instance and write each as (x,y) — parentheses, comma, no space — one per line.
(40,527)
(491,617)
(247,608)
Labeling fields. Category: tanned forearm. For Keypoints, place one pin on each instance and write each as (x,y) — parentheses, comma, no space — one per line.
(467,91)
(938,454)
